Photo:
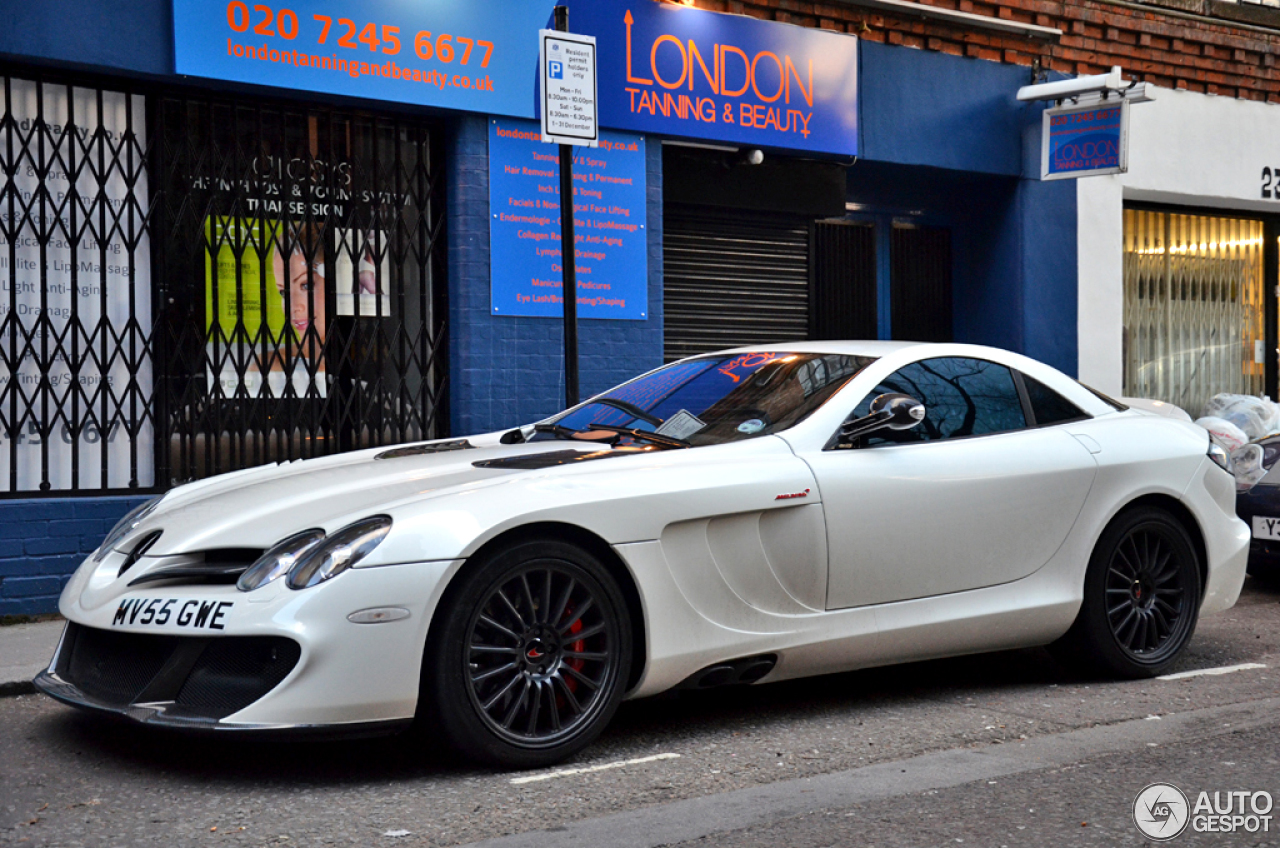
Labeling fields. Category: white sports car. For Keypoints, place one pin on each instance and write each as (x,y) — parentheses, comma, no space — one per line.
(742,517)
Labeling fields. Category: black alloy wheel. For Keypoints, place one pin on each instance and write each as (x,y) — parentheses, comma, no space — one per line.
(533,656)
(1149,606)
(1141,598)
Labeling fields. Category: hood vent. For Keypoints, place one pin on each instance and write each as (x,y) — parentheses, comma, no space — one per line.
(432,447)
(533,461)
(220,566)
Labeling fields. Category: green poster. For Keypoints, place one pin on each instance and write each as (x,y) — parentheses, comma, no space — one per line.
(241,301)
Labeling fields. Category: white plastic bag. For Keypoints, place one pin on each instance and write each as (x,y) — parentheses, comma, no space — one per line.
(1228,435)
(1257,417)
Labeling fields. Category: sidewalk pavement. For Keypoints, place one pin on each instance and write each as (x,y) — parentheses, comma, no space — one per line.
(25,651)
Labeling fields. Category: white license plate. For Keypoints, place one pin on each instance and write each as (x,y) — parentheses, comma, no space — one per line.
(1266,528)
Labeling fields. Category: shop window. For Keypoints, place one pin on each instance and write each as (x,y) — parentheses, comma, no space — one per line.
(302,296)
(1193,307)
(77,355)
(192,286)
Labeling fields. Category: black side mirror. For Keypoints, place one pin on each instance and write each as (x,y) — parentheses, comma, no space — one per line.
(891,411)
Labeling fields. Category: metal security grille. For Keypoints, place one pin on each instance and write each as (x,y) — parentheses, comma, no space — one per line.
(76,344)
(300,283)
(844,280)
(733,278)
(920,283)
(1193,307)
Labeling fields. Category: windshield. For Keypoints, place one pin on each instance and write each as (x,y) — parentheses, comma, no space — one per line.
(716,399)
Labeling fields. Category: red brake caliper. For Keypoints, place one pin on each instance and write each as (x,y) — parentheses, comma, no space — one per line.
(577,662)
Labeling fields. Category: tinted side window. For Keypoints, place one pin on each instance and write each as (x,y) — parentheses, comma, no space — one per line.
(1048,406)
(962,397)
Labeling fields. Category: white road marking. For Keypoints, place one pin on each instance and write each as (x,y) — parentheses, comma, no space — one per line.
(1200,672)
(533,778)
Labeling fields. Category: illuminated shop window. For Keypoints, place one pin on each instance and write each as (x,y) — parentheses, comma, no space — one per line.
(1193,307)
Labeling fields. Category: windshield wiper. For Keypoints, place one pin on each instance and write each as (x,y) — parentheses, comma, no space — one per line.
(557,430)
(644,436)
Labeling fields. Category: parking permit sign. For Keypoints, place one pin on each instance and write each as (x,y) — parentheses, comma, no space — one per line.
(568,65)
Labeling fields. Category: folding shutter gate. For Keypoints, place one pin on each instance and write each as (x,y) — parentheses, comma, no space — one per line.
(733,278)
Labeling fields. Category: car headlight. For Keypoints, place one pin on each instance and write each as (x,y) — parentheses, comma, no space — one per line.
(339,552)
(276,562)
(124,525)
(1220,456)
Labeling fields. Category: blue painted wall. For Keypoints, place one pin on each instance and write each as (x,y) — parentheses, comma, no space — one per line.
(42,542)
(510,371)
(128,35)
(946,136)
(924,108)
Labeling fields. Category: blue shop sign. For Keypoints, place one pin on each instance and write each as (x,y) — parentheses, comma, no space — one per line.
(471,55)
(1083,141)
(676,71)
(609,214)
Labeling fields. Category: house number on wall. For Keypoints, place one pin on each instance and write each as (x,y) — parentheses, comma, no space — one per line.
(1271,184)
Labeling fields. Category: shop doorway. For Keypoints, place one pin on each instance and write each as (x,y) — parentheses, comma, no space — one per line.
(877,276)
(844,300)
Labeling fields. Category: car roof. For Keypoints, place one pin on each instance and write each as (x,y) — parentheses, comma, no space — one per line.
(885,351)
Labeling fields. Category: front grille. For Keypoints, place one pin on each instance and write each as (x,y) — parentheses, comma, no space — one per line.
(112,667)
(233,673)
(205,677)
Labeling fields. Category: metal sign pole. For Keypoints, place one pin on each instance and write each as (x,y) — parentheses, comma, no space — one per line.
(567,251)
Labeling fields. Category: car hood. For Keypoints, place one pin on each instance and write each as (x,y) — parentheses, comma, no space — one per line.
(258,507)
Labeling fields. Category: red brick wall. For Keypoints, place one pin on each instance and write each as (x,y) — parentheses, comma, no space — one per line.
(1199,54)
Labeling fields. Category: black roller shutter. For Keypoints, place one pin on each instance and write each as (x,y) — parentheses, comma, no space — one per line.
(733,278)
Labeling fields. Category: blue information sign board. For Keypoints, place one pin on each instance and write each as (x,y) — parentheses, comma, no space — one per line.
(524,225)
(1082,141)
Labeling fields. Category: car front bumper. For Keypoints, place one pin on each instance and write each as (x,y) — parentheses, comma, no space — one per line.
(280,660)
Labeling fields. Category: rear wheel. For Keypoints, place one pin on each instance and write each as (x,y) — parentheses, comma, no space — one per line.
(1141,598)
(531,656)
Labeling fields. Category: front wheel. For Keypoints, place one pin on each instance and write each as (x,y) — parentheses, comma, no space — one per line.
(531,656)
(1141,598)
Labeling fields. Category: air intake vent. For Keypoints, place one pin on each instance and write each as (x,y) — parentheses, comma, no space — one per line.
(220,566)
(144,544)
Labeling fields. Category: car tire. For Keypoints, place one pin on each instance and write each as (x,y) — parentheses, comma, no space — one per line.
(1141,598)
(530,655)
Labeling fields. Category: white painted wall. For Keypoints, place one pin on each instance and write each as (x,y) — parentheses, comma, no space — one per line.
(1184,148)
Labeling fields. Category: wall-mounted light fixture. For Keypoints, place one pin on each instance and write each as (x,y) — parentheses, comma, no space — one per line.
(1101,86)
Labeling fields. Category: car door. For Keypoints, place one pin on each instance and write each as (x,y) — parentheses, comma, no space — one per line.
(974,496)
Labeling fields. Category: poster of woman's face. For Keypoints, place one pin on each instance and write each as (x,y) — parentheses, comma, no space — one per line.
(267,308)
(301,283)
